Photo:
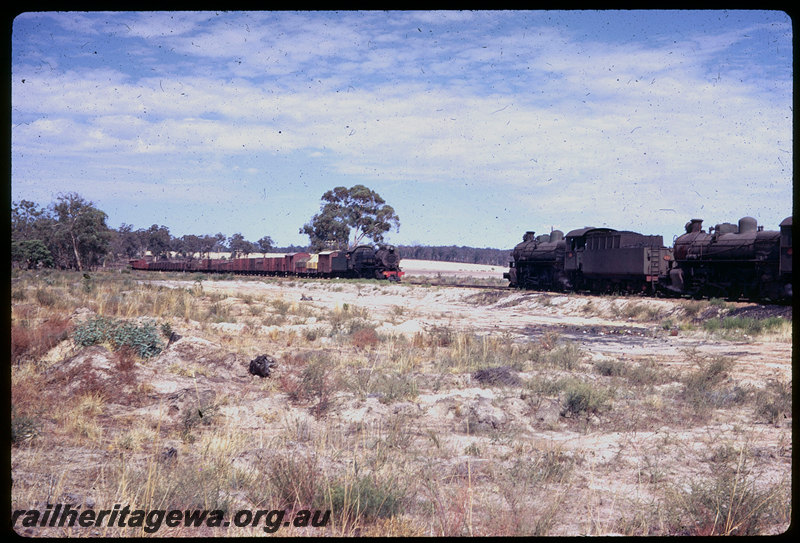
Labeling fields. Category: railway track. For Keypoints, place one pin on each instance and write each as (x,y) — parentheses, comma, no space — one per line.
(456,285)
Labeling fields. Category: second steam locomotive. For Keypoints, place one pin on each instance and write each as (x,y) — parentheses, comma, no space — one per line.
(729,261)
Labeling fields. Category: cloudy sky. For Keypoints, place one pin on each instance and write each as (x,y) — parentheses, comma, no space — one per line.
(474,126)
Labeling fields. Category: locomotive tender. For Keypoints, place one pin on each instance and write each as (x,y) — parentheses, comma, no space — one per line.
(364,261)
(730,261)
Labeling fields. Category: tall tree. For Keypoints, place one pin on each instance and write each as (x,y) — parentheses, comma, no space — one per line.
(219,242)
(32,234)
(192,245)
(240,246)
(80,229)
(127,242)
(357,209)
(159,240)
(265,244)
(28,220)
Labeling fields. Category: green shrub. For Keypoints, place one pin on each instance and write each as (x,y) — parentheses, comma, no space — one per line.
(199,414)
(23,427)
(142,339)
(611,368)
(566,356)
(585,398)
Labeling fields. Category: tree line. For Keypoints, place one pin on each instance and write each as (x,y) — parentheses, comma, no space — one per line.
(453,253)
(72,233)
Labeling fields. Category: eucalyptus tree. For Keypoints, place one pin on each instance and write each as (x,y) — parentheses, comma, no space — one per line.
(357,210)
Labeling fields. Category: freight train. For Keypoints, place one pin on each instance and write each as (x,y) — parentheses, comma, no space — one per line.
(730,261)
(363,261)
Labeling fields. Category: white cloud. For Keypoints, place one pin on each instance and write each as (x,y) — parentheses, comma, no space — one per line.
(533,110)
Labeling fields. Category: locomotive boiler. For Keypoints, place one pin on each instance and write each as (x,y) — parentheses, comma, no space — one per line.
(538,262)
(733,261)
(367,262)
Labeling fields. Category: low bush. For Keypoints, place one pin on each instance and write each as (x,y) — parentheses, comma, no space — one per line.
(585,398)
(728,502)
(703,388)
(365,338)
(143,339)
(774,401)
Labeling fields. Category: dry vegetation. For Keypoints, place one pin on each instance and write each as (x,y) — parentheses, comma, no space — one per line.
(404,409)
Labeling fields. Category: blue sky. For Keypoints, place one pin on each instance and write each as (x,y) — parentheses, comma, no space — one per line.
(474,125)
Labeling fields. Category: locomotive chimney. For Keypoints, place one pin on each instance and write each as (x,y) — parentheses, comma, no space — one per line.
(528,235)
(694,225)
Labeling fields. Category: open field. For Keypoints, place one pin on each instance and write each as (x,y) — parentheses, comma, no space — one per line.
(432,268)
(404,409)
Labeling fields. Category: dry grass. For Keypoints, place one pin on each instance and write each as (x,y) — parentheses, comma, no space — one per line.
(397,434)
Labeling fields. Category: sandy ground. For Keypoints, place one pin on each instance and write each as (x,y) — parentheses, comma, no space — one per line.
(614,453)
(426,268)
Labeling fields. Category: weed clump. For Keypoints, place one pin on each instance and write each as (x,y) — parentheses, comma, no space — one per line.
(774,401)
(585,399)
(728,502)
(704,388)
(33,342)
(735,326)
(23,427)
(364,498)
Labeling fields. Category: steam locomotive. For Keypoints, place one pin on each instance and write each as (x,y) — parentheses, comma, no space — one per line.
(733,261)
(730,261)
(363,261)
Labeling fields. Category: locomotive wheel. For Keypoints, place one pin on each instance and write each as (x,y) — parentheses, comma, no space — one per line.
(734,294)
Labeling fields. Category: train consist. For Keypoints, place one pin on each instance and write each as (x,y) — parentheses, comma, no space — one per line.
(730,261)
(364,261)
